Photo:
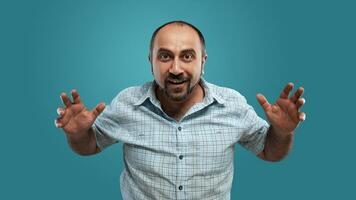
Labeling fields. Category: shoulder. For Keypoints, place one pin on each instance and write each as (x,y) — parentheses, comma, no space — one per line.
(228,95)
(133,94)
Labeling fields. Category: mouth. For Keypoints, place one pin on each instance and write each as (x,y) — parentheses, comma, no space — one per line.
(176,82)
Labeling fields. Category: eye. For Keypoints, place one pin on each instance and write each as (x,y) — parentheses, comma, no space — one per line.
(164,57)
(188,57)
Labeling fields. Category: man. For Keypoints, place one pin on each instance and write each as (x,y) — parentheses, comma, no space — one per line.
(179,131)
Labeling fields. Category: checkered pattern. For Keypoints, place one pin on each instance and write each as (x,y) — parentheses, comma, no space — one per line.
(189,159)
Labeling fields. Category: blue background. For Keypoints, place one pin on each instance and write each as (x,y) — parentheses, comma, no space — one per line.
(101,47)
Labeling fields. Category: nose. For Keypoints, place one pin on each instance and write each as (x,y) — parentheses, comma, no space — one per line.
(176,68)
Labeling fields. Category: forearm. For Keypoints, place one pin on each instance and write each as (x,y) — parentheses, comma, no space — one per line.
(277,145)
(83,143)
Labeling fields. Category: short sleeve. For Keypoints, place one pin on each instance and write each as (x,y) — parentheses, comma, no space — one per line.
(103,140)
(254,132)
(106,126)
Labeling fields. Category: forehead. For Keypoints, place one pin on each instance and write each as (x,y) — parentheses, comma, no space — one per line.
(177,37)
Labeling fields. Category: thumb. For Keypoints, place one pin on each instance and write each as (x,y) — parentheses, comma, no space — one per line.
(263,102)
(98,109)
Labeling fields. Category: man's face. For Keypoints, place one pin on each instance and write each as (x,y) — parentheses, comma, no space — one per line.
(177,60)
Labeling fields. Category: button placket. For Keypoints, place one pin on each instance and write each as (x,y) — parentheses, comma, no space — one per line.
(180,162)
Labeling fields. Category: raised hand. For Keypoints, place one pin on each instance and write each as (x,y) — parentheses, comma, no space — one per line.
(75,118)
(284,115)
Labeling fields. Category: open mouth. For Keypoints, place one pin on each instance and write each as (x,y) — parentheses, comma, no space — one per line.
(176,82)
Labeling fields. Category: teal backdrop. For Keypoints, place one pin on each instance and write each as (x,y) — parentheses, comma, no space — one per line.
(101,47)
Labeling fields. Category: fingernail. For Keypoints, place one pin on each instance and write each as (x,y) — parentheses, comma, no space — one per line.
(58,111)
(56,124)
(303,117)
(303,100)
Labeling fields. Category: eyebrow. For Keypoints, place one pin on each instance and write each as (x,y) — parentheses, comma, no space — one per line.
(164,50)
(192,51)
(182,52)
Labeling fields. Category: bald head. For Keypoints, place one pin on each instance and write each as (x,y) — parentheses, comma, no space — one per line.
(182,24)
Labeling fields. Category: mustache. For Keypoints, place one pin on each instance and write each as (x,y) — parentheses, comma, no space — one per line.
(177,78)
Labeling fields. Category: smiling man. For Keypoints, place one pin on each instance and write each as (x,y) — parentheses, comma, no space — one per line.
(177,55)
(179,130)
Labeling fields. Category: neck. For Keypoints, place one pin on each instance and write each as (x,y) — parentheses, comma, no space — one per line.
(176,109)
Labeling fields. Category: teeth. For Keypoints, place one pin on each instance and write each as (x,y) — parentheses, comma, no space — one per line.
(176,82)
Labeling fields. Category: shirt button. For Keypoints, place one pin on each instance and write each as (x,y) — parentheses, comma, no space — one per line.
(180,187)
(179,128)
(181,157)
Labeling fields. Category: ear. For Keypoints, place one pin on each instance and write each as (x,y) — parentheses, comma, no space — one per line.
(149,60)
(205,57)
(203,63)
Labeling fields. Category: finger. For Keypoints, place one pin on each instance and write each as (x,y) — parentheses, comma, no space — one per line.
(302,116)
(263,102)
(293,112)
(60,122)
(75,95)
(98,109)
(300,103)
(60,112)
(65,100)
(65,117)
(286,91)
(56,123)
(297,95)
(275,108)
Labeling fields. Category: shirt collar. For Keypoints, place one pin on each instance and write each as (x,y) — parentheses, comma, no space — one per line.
(209,94)
(149,93)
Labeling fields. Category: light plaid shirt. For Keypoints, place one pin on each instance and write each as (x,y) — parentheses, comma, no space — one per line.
(189,159)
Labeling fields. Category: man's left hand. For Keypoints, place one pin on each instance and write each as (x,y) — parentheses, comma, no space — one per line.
(284,115)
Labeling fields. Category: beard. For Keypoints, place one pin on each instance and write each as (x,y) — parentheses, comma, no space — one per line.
(177,87)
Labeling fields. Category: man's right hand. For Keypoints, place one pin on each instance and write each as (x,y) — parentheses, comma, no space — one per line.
(75,119)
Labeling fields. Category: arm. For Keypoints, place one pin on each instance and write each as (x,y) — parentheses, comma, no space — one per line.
(277,146)
(85,144)
(76,121)
(284,117)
